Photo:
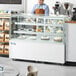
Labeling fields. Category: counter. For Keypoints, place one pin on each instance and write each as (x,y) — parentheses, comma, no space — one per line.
(71,22)
(71,41)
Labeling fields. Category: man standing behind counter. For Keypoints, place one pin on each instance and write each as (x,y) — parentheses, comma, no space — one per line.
(40,8)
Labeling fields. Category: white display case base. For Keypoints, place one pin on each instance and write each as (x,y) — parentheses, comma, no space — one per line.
(21,49)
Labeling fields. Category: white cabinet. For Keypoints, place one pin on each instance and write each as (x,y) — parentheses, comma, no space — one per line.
(39,38)
(71,43)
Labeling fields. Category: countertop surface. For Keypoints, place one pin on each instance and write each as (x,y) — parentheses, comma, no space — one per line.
(70,21)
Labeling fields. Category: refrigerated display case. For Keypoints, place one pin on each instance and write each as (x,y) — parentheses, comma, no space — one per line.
(38,38)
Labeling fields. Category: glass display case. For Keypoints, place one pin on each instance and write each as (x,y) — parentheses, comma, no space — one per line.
(38,28)
(40,38)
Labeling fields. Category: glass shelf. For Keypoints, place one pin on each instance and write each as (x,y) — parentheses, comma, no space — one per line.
(25,23)
(40,33)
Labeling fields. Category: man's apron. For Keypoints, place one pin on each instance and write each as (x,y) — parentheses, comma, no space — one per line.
(39,11)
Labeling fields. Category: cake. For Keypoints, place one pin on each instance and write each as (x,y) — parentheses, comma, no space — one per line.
(59,39)
(45,38)
(60,22)
(59,31)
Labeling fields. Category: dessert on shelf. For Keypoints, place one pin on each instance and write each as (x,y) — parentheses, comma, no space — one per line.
(32,38)
(59,31)
(1,37)
(6,49)
(22,36)
(6,37)
(7,25)
(60,22)
(1,24)
(58,39)
(1,48)
(45,38)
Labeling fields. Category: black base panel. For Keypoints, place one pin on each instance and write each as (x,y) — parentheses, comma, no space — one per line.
(68,63)
(4,55)
(50,63)
(33,61)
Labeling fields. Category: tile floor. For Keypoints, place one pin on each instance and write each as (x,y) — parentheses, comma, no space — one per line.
(11,68)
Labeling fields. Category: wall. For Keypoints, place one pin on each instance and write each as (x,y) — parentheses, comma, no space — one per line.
(27,5)
(14,6)
(51,3)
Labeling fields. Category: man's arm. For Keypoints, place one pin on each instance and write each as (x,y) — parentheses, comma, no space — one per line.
(46,11)
(33,10)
